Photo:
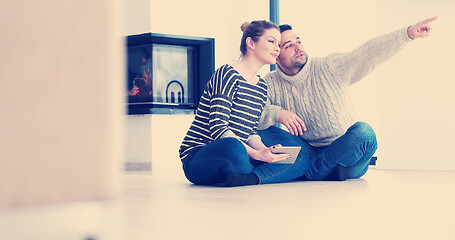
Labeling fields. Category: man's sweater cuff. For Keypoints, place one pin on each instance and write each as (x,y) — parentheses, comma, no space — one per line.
(275,110)
(269,117)
(407,35)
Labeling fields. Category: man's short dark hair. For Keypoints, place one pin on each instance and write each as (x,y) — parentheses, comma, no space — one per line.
(285,27)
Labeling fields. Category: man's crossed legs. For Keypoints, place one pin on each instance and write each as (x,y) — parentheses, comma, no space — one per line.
(346,158)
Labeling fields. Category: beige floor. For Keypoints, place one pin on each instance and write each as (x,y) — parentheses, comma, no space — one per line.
(382,205)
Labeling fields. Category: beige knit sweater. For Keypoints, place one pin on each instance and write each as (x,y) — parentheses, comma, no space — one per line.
(318,93)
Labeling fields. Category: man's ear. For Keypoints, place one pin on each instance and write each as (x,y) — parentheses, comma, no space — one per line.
(249,43)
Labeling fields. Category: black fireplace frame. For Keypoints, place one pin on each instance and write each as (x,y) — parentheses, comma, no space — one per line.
(203,66)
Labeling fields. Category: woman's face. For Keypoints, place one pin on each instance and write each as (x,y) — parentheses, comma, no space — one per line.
(267,48)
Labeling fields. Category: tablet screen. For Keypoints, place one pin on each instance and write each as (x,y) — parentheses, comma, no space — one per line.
(294,151)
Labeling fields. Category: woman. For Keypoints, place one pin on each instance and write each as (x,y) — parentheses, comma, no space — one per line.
(222,138)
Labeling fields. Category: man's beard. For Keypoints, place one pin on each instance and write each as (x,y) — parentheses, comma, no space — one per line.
(295,64)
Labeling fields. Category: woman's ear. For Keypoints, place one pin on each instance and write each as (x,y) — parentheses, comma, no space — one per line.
(250,43)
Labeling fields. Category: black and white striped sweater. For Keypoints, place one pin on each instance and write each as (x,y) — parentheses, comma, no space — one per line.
(229,107)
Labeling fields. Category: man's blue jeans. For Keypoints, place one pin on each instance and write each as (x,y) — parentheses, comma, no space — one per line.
(211,163)
(352,150)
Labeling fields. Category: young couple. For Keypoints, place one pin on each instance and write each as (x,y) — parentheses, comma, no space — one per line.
(232,142)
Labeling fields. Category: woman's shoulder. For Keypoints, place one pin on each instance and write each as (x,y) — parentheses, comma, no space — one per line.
(226,73)
(224,79)
(224,67)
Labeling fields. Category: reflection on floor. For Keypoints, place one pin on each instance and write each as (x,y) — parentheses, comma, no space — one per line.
(382,205)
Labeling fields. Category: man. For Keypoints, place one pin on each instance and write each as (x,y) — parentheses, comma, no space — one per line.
(309,96)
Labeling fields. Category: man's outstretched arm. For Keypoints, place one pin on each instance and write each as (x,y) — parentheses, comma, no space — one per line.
(353,66)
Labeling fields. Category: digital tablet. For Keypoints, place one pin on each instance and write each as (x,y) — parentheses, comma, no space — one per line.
(294,151)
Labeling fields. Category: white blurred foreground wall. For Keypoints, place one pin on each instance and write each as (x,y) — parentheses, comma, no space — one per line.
(61,101)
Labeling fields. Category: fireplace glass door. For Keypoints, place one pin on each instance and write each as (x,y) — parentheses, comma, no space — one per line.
(164,73)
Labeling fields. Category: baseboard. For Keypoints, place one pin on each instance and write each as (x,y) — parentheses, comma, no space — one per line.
(138,166)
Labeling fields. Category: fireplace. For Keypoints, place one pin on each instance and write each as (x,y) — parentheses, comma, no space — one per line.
(167,73)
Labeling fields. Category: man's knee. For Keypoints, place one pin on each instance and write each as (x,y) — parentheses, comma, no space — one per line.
(274,135)
(364,130)
(272,131)
(365,133)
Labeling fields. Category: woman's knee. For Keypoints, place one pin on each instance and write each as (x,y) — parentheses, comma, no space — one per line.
(231,146)
(235,157)
(232,149)
(222,149)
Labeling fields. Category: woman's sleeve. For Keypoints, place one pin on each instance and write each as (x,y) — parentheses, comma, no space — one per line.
(223,92)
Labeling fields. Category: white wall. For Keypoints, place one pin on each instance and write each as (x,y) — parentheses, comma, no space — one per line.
(417,107)
(205,18)
(137,17)
(61,104)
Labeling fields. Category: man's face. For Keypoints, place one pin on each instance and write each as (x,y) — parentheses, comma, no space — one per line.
(292,56)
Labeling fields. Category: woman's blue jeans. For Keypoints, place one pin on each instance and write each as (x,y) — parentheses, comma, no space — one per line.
(210,164)
(352,150)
